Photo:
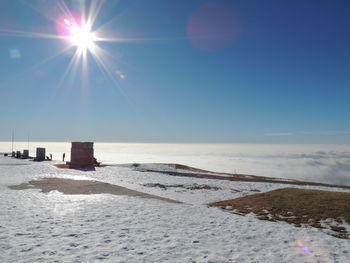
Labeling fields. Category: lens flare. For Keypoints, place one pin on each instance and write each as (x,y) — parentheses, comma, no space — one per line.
(78,34)
(121,75)
(15,53)
(213,26)
(303,247)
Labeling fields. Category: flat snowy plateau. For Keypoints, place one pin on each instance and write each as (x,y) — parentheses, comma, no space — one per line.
(55,227)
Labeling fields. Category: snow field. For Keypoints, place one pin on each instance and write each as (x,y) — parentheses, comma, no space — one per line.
(53,227)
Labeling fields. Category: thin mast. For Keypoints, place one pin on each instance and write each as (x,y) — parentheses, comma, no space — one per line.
(13,137)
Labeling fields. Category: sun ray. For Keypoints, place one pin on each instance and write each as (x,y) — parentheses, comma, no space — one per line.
(65,10)
(94,10)
(82,8)
(15,33)
(131,40)
(98,56)
(70,70)
(124,13)
(84,72)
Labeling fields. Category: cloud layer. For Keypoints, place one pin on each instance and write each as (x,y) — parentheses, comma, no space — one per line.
(319,163)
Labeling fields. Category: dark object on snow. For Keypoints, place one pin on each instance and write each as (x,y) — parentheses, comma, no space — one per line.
(5,154)
(25,154)
(18,154)
(64,156)
(96,163)
(82,155)
(13,154)
(40,154)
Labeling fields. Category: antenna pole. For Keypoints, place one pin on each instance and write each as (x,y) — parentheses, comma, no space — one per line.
(13,137)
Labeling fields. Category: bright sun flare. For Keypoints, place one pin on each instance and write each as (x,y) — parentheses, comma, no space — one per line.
(81,36)
(78,30)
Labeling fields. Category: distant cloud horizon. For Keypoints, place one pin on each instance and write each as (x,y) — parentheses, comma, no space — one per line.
(279,134)
(301,133)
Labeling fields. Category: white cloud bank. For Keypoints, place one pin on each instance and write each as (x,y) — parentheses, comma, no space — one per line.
(320,163)
(281,134)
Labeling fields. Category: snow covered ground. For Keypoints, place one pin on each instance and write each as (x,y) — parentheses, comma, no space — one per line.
(37,227)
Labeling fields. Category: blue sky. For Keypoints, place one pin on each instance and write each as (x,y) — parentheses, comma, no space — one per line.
(263,72)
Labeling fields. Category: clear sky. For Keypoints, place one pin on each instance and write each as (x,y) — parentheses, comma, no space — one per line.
(245,71)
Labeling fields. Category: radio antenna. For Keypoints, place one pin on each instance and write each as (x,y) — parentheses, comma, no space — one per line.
(13,137)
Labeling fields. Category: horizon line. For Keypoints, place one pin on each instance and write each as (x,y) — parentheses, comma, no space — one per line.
(150,142)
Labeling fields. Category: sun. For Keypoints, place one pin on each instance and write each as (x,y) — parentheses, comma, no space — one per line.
(81,36)
(83,40)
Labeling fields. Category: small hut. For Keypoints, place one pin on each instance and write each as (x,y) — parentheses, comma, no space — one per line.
(82,155)
(25,154)
(40,154)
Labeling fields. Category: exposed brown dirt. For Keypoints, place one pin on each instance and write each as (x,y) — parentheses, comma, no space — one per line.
(184,186)
(82,187)
(296,206)
(204,174)
(62,166)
